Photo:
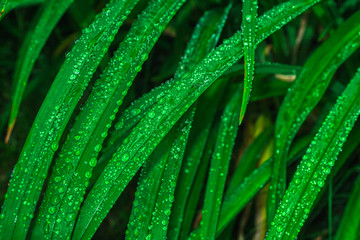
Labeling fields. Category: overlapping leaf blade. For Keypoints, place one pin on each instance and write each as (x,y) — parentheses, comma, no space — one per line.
(42,142)
(33,43)
(316,164)
(201,43)
(249,34)
(153,127)
(7,5)
(350,222)
(152,205)
(219,168)
(249,159)
(304,95)
(72,173)
(204,39)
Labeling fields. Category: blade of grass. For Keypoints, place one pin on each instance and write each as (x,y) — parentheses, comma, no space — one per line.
(209,25)
(238,198)
(30,50)
(249,160)
(316,164)
(155,125)
(350,222)
(219,167)
(3,5)
(194,196)
(85,140)
(42,142)
(303,97)
(249,33)
(153,199)
(204,39)
(13,4)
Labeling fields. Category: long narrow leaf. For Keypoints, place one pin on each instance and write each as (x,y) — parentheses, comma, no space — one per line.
(85,140)
(249,159)
(316,164)
(303,97)
(10,5)
(152,205)
(154,126)
(219,167)
(43,140)
(34,41)
(350,222)
(211,22)
(249,33)
(204,39)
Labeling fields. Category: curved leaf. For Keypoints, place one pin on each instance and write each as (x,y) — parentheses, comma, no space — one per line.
(34,41)
(249,33)
(42,142)
(316,164)
(304,95)
(219,168)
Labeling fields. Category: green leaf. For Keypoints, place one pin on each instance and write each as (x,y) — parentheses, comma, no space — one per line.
(249,159)
(2,5)
(42,142)
(195,194)
(236,199)
(162,117)
(209,25)
(249,33)
(155,193)
(316,164)
(219,168)
(303,97)
(30,50)
(10,5)
(350,222)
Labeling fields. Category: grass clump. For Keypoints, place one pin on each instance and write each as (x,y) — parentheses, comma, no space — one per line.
(175,119)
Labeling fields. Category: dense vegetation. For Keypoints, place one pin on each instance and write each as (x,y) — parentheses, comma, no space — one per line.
(175,119)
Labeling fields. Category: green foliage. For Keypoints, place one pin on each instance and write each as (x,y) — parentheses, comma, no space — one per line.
(116,150)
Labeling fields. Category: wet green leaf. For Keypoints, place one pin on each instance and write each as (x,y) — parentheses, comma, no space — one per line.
(316,164)
(43,140)
(303,96)
(249,16)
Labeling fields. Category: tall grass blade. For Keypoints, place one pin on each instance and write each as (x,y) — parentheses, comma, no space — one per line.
(162,117)
(350,222)
(2,5)
(204,39)
(303,97)
(194,196)
(201,43)
(155,193)
(249,33)
(249,159)
(316,164)
(236,199)
(42,142)
(30,50)
(13,4)
(219,167)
